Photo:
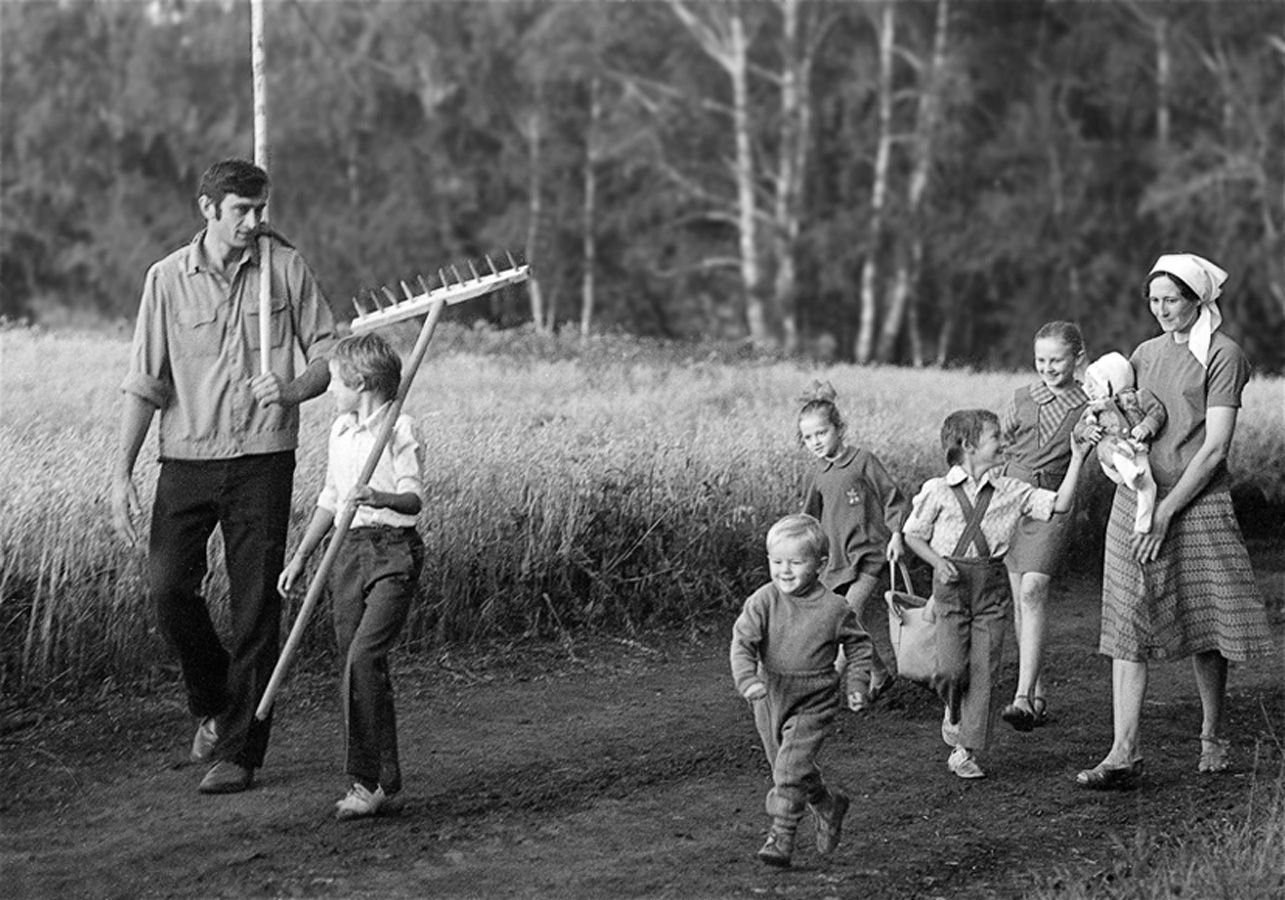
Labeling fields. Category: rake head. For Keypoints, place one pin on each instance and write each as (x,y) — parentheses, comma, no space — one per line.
(388,307)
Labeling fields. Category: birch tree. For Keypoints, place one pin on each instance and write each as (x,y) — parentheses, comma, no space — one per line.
(720,32)
(911,253)
(869,278)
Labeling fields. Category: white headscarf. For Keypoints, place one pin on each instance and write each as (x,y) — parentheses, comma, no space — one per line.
(1206,279)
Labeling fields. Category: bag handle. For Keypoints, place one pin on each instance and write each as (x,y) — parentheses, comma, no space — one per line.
(897,608)
(893,568)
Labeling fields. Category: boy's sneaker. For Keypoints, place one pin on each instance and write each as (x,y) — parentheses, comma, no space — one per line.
(778,848)
(207,735)
(962,763)
(360,802)
(827,817)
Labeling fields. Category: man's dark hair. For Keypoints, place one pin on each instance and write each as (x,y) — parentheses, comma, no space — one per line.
(232,176)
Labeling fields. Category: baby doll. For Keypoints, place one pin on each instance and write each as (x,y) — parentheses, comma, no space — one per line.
(1128,419)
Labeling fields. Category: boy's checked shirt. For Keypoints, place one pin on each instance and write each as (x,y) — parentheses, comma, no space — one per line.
(936,516)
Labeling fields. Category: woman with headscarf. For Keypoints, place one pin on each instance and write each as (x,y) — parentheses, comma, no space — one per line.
(1184,588)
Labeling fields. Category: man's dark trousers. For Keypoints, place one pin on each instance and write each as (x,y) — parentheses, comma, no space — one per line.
(248,498)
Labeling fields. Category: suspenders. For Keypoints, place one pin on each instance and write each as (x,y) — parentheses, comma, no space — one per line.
(973,516)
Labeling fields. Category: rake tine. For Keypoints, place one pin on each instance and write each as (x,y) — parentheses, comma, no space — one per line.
(407,291)
(423,284)
(472,268)
(458,278)
(357,306)
(491,265)
(373,297)
(441,276)
(512,262)
(392,298)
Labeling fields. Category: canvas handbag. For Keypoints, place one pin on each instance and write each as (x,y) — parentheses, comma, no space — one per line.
(911,627)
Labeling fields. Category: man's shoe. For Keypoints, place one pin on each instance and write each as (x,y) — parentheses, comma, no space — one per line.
(360,802)
(827,817)
(207,735)
(962,763)
(778,848)
(226,777)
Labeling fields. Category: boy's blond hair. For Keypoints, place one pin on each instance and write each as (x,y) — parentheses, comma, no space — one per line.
(801,527)
(367,362)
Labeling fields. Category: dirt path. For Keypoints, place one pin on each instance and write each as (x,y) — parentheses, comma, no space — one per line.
(613,770)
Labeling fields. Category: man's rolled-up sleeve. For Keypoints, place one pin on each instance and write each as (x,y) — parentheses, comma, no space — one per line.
(149,363)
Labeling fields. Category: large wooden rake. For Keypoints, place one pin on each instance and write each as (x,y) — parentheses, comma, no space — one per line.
(384,311)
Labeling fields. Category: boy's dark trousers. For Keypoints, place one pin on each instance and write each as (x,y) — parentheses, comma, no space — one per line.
(972,617)
(248,498)
(372,585)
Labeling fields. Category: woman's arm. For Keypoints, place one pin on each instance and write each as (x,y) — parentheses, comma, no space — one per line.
(1220,427)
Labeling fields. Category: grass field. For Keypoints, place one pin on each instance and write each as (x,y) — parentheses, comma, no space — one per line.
(615,485)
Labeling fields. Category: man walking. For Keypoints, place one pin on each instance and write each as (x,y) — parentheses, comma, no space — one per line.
(227,440)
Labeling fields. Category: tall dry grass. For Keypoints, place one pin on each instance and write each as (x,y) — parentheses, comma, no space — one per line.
(1238,856)
(615,485)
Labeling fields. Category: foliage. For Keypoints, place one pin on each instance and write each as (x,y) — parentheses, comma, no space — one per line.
(611,484)
(1213,856)
(405,135)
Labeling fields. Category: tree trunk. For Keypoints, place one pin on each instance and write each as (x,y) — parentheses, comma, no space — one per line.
(756,315)
(795,120)
(590,246)
(1160,29)
(906,281)
(535,210)
(723,39)
(869,279)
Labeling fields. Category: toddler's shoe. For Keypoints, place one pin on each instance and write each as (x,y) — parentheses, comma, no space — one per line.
(226,777)
(778,848)
(360,802)
(963,764)
(207,735)
(827,817)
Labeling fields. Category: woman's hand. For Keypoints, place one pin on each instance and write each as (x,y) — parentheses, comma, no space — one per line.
(1146,545)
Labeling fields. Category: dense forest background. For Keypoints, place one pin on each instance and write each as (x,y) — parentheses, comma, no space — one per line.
(904,182)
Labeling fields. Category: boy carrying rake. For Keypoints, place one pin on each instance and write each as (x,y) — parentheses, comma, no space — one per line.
(375,572)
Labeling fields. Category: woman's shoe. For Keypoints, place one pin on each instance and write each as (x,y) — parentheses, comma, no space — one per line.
(1214,754)
(1040,709)
(1019,714)
(1110,778)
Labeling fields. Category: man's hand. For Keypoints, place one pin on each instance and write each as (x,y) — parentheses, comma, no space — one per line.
(125,506)
(269,389)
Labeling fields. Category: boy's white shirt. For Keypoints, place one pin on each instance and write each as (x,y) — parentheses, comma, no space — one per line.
(399,470)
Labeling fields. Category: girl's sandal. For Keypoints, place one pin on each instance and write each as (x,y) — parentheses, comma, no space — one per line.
(1040,709)
(1019,714)
(1110,778)
(1214,754)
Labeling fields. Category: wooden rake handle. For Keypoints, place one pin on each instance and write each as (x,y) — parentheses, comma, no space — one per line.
(347,511)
